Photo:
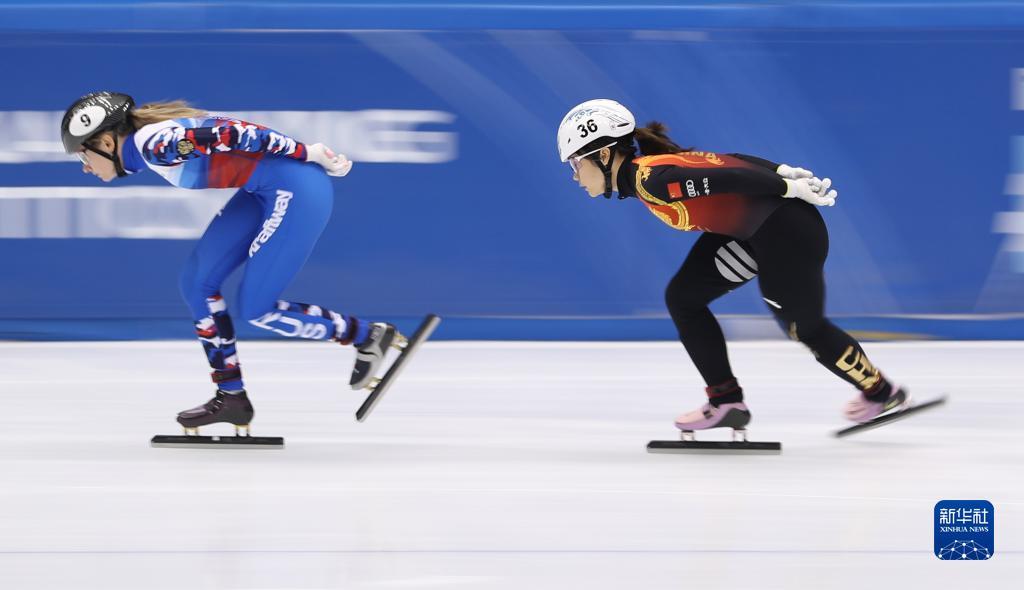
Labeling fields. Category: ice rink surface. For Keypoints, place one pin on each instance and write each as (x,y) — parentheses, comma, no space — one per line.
(497,465)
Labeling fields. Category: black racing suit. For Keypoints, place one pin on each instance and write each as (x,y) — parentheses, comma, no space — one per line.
(749,230)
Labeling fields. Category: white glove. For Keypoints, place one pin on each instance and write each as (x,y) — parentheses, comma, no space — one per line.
(807,189)
(821,186)
(792,173)
(334,164)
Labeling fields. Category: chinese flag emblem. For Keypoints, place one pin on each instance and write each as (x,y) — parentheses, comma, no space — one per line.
(675,190)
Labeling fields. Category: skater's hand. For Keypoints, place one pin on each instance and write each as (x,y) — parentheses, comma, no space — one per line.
(812,190)
(334,164)
(793,173)
(822,186)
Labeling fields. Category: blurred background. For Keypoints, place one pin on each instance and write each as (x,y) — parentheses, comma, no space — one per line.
(458,203)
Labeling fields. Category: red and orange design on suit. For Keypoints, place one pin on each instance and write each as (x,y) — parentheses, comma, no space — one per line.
(705,191)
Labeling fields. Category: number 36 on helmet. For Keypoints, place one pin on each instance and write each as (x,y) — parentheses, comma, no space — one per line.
(590,121)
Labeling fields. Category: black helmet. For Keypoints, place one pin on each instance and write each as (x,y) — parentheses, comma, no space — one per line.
(93,114)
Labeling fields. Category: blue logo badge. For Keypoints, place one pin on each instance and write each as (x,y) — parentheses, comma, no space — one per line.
(964,529)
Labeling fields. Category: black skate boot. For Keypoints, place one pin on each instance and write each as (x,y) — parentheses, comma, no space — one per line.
(234,408)
(370,354)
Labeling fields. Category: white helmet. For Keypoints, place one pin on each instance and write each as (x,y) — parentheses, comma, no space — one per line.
(593,120)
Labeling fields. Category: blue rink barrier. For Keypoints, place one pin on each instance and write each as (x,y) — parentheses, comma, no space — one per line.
(200,15)
(449,110)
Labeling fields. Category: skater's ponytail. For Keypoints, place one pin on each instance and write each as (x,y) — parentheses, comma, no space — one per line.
(156,112)
(653,140)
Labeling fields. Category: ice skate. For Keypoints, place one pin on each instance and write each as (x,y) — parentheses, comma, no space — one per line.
(871,414)
(861,410)
(731,415)
(232,408)
(735,416)
(370,354)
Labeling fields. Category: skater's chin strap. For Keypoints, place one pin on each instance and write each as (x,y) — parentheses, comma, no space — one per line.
(606,169)
(222,375)
(113,157)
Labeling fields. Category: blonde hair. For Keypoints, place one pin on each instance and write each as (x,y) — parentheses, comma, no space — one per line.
(156,112)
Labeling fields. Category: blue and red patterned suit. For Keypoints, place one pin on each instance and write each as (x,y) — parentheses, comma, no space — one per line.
(271,224)
(213,152)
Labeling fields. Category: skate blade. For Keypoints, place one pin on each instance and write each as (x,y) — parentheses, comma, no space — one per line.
(230,442)
(699,447)
(892,417)
(426,328)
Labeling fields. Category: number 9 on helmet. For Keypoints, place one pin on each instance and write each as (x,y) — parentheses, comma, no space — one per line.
(93,114)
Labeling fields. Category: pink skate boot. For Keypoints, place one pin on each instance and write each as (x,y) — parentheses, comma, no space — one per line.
(725,409)
(861,409)
(735,416)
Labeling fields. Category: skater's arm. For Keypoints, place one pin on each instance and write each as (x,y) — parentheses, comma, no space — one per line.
(172,145)
(757,161)
(169,146)
(783,170)
(670,183)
